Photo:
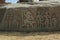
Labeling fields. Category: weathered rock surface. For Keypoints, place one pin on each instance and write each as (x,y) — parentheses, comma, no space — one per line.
(28,17)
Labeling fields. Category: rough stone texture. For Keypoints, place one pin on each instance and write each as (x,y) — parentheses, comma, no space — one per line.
(2,10)
(2,1)
(33,18)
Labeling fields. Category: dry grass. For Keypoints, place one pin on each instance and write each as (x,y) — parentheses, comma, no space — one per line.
(29,36)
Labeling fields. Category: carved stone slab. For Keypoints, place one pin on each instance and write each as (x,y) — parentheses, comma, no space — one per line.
(28,19)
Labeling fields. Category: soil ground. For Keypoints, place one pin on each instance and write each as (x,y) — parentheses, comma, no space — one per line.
(30,36)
